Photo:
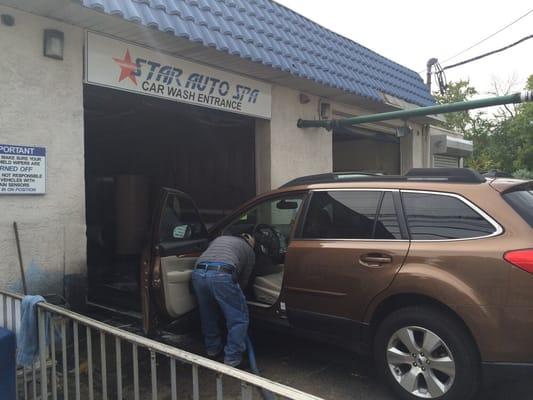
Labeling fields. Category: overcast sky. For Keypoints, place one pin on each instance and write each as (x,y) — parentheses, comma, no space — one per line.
(410,32)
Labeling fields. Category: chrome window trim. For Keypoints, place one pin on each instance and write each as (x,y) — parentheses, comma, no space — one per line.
(498,229)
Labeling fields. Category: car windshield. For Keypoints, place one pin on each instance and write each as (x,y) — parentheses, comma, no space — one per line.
(279,213)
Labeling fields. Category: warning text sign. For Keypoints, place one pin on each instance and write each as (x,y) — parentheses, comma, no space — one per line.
(22,169)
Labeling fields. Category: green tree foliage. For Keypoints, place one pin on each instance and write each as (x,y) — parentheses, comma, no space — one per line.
(503,142)
(523,174)
(460,121)
(520,128)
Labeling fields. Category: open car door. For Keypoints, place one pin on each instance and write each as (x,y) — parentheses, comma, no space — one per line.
(177,237)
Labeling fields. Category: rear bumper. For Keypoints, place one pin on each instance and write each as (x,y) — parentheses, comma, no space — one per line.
(495,371)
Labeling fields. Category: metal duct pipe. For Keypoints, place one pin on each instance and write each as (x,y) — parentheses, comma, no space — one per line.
(329,124)
(431,62)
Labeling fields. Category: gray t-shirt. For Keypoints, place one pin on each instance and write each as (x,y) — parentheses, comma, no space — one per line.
(231,250)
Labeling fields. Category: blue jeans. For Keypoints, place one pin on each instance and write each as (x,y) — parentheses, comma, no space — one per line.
(216,291)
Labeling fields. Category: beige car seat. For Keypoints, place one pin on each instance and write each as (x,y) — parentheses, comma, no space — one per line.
(267,288)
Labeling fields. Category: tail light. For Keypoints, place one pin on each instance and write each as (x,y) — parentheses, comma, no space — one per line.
(523,259)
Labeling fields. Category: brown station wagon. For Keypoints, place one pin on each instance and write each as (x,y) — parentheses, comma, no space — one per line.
(431,272)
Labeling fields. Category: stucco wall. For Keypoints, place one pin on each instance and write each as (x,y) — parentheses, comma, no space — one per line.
(294,151)
(284,151)
(41,104)
(419,145)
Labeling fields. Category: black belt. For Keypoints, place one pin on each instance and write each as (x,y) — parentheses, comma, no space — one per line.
(230,269)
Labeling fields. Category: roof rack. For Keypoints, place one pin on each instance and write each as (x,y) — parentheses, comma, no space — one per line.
(465,175)
(444,175)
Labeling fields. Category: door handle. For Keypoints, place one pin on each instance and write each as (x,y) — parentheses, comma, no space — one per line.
(374,260)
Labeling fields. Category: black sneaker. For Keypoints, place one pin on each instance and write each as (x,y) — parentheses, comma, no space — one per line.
(219,357)
(244,365)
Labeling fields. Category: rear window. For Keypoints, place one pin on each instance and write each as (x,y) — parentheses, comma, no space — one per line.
(441,217)
(522,202)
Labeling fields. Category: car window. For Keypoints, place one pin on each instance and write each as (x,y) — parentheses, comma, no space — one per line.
(438,217)
(279,213)
(180,220)
(522,203)
(350,215)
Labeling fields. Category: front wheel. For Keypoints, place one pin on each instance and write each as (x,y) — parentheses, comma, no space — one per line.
(424,353)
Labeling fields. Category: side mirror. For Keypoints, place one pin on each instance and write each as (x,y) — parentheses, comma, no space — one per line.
(286,205)
(182,232)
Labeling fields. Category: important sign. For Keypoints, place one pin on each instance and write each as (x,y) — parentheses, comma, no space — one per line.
(125,66)
(22,169)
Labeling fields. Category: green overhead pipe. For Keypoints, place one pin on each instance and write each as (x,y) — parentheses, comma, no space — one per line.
(330,124)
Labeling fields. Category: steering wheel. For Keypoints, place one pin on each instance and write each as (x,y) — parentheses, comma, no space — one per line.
(268,240)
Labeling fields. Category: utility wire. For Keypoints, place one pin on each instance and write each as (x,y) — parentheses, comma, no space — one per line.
(489,53)
(487,38)
(490,36)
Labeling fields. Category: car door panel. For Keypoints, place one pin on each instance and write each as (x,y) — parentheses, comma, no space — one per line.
(176,275)
(327,277)
(177,230)
(336,278)
(189,246)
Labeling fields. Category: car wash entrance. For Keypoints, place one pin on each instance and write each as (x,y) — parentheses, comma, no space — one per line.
(154,121)
(134,146)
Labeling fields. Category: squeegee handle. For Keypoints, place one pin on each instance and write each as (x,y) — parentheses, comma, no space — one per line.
(22,274)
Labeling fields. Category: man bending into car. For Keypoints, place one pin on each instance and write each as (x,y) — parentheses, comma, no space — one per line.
(228,261)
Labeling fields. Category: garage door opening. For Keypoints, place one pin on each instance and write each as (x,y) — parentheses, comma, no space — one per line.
(134,146)
(356,149)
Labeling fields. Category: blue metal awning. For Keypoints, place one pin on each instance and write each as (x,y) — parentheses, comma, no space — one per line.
(273,35)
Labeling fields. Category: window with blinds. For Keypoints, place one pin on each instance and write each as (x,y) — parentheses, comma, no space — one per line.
(442,161)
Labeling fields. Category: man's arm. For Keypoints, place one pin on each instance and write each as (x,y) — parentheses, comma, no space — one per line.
(247,267)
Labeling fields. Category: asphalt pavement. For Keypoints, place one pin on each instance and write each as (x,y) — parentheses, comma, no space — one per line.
(331,372)
(321,369)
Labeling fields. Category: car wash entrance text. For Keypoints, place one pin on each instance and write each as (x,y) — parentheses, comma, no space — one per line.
(124,66)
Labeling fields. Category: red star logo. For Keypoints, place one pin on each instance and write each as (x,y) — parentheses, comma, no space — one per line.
(127,68)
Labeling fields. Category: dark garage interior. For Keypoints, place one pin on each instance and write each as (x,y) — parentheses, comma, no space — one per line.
(358,149)
(134,146)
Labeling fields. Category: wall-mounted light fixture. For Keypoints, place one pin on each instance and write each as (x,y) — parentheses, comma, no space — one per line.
(53,44)
(7,20)
(404,130)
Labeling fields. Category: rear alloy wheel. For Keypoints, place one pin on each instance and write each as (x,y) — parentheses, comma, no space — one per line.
(421,362)
(426,354)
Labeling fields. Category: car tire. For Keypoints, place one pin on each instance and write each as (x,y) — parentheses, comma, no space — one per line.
(451,370)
